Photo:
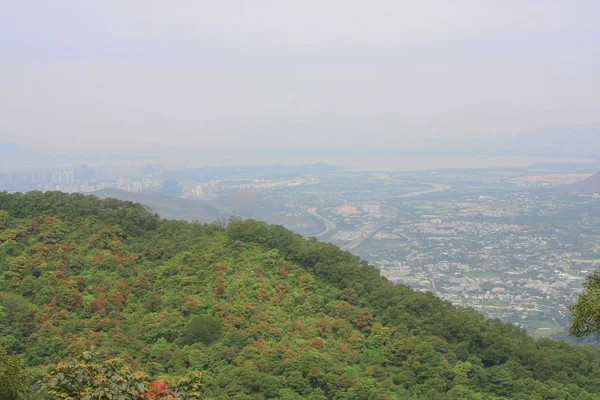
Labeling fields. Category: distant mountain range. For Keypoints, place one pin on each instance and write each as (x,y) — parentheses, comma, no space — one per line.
(590,185)
(166,206)
(548,143)
(250,172)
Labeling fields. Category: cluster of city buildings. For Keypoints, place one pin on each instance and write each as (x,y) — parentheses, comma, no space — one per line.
(85,179)
(523,273)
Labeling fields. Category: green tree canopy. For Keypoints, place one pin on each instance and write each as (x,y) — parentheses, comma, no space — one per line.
(15,379)
(586,312)
(203,328)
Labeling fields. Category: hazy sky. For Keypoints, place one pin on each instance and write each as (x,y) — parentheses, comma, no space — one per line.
(82,74)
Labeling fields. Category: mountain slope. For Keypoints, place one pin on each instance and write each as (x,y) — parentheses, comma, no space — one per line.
(244,204)
(261,311)
(590,185)
(165,206)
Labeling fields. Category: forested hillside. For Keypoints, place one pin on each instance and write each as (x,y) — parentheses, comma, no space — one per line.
(166,206)
(242,311)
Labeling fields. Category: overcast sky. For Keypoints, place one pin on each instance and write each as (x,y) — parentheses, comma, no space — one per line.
(82,74)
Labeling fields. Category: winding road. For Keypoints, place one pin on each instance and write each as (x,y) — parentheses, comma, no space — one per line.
(329,224)
(392,215)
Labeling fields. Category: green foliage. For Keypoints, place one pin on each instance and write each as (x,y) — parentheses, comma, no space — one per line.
(244,311)
(15,380)
(134,218)
(204,328)
(586,312)
(87,380)
(16,308)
